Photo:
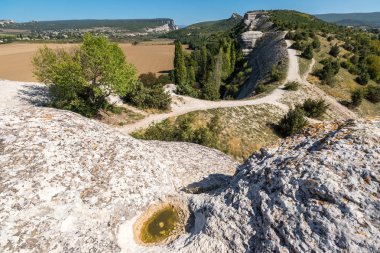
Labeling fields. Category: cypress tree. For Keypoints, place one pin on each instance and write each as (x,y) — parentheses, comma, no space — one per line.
(203,64)
(233,57)
(180,75)
(191,75)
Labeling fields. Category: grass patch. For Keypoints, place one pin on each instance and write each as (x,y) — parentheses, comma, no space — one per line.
(304,65)
(242,130)
(119,116)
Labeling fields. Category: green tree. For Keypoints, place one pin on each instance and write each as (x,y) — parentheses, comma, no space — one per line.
(212,86)
(180,73)
(335,50)
(191,75)
(82,80)
(203,64)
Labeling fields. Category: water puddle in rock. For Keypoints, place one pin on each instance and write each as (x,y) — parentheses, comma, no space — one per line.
(160,226)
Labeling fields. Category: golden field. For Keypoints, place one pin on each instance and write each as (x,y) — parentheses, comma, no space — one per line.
(15,58)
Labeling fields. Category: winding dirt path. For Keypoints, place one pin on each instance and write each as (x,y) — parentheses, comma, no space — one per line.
(183,104)
(21,94)
(337,107)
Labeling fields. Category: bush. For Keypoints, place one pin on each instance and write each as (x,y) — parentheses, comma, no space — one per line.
(372,93)
(314,108)
(328,72)
(149,79)
(308,53)
(363,78)
(293,122)
(164,80)
(316,43)
(357,97)
(293,86)
(81,81)
(184,130)
(149,97)
(299,45)
(335,50)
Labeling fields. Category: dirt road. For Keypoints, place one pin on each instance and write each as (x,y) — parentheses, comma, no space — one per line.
(183,104)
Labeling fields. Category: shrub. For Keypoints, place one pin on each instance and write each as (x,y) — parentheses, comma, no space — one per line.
(293,122)
(328,72)
(299,45)
(81,81)
(372,93)
(335,50)
(314,108)
(316,43)
(293,86)
(363,78)
(308,53)
(357,97)
(149,79)
(164,79)
(183,129)
(149,97)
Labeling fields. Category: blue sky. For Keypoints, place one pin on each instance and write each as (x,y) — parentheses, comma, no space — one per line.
(182,11)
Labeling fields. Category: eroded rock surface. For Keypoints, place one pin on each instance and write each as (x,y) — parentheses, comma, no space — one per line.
(70,184)
(264,47)
(67,182)
(314,193)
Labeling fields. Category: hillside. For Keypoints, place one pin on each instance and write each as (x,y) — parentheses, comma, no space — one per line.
(205,29)
(131,25)
(353,19)
(73,30)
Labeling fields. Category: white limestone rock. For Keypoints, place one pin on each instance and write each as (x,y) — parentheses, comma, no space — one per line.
(70,184)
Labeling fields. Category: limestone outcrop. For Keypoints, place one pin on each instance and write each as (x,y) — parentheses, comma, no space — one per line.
(70,184)
(263,47)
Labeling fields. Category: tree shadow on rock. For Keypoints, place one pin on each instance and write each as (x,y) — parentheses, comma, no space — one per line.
(36,95)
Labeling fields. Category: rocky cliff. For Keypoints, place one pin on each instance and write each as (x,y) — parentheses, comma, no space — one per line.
(70,184)
(263,47)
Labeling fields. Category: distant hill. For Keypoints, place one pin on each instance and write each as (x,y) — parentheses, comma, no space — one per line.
(354,19)
(206,28)
(132,25)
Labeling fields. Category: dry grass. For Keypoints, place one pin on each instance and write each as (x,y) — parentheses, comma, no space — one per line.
(304,65)
(244,129)
(15,58)
(124,117)
(345,82)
